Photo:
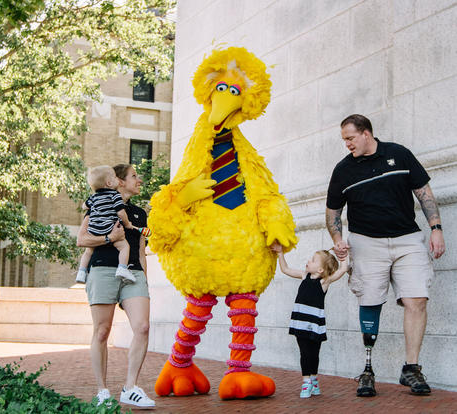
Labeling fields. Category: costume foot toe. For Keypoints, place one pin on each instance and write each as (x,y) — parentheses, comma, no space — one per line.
(245,384)
(181,381)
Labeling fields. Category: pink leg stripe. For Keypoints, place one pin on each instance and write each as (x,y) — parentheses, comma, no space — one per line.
(243,329)
(181,341)
(179,365)
(236,370)
(236,296)
(242,347)
(202,303)
(239,364)
(242,311)
(197,318)
(179,355)
(189,331)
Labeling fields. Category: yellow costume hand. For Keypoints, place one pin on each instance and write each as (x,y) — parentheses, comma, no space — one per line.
(194,190)
(280,232)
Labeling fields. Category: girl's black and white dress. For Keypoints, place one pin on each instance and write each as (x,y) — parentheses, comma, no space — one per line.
(308,314)
(308,323)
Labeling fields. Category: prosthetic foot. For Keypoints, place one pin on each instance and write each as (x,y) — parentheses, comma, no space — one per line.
(238,381)
(179,374)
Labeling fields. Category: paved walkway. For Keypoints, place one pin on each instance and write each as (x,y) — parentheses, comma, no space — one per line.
(70,373)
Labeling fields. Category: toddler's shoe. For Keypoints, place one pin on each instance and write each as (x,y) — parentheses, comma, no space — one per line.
(144,231)
(136,396)
(316,390)
(81,276)
(125,274)
(306,389)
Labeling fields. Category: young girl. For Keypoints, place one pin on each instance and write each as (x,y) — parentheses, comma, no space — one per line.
(308,316)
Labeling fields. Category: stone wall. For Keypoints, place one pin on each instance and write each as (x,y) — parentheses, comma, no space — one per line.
(395,62)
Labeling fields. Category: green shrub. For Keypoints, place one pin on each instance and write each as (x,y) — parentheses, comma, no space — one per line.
(20,393)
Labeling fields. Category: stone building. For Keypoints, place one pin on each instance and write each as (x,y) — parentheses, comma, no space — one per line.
(394,61)
(128,125)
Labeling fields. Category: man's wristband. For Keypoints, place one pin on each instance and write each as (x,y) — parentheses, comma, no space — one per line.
(436,227)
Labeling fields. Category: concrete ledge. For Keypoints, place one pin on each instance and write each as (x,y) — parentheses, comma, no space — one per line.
(19,294)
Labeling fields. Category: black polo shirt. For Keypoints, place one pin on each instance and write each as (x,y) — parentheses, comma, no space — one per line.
(108,255)
(378,190)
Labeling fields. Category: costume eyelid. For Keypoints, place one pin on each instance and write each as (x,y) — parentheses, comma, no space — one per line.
(238,87)
(221,83)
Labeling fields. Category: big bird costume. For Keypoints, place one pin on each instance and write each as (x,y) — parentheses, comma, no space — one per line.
(212,234)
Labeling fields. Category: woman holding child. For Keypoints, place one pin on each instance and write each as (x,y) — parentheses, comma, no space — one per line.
(104,290)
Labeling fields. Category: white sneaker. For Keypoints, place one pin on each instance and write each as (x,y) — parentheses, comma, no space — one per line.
(136,396)
(125,274)
(103,395)
(81,276)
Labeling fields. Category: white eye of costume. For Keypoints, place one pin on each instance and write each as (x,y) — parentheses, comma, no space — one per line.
(234,90)
(221,87)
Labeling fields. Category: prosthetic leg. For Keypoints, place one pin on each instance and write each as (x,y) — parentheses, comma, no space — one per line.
(238,381)
(179,374)
(369,323)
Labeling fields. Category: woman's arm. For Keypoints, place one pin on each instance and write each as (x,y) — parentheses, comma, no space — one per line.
(85,239)
(143,261)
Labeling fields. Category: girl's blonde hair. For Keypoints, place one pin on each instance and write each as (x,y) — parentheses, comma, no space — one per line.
(329,263)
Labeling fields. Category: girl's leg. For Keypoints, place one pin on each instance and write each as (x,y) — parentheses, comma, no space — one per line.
(124,251)
(137,310)
(102,317)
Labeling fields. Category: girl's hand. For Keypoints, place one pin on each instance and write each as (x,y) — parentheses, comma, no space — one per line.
(276,247)
(344,264)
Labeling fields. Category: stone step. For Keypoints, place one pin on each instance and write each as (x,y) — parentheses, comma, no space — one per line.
(53,315)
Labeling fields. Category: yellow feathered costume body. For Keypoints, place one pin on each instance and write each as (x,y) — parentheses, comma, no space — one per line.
(208,250)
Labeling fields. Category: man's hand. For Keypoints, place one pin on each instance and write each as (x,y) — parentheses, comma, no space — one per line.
(117,233)
(341,249)
(194,190)
(436,243)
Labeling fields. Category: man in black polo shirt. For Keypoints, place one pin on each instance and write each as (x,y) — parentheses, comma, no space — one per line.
(377,181)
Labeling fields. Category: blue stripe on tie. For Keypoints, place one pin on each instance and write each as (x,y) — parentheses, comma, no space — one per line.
(225,172)
(219,149)
(232,199)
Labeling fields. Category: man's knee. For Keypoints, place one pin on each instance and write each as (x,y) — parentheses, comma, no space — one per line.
(416,305)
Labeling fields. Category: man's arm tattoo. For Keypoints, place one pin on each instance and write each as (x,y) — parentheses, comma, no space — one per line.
(333,221)
(428,204)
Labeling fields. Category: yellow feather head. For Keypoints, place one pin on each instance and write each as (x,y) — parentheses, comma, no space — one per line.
(256,94)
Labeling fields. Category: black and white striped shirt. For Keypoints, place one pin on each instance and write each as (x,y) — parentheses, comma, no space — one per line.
(103,206)
(308,314)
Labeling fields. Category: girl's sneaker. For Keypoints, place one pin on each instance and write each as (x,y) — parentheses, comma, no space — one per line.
(316,390)
(306,389)
(136,396)
(103,395)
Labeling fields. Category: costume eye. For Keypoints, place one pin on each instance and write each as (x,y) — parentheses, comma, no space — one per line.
(235,90)
(221,86)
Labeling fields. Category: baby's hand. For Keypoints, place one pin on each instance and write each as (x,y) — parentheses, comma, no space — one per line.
(276,247)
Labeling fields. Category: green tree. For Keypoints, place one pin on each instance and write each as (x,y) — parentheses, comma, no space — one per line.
(44,91)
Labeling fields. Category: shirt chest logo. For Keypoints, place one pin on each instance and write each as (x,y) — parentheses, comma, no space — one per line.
(391,162)
(135,215)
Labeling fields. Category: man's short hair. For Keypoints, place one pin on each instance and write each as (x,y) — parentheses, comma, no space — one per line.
(360,122)
(97,176)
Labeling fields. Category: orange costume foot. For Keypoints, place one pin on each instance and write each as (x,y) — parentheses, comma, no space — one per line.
(245,384)
(181,381)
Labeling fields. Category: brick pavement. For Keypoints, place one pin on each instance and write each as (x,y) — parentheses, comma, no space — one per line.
(70,373)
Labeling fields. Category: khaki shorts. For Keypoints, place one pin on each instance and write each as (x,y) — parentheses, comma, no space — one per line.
(403,261)
(103,287)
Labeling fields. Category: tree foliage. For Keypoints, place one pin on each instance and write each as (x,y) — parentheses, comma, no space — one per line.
(44,90)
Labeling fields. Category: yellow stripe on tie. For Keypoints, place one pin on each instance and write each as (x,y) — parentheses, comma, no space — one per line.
(222,166)
(226,152)
(228,191)
(223,181)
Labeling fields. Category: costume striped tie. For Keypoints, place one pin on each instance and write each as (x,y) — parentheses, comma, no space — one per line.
(228,192)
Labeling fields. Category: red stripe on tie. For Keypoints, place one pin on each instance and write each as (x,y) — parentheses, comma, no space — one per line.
(222,138)
(225,186)
(226,158)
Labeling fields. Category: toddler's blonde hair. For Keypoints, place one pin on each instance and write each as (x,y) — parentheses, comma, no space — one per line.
(329,263)
(98,176)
